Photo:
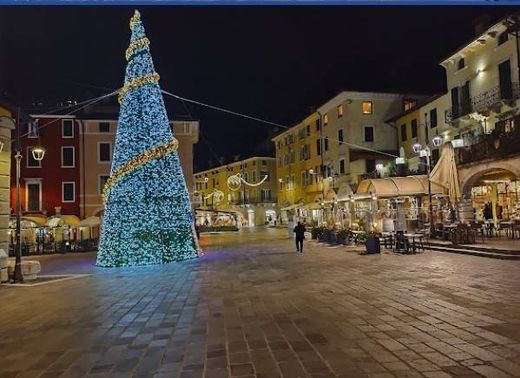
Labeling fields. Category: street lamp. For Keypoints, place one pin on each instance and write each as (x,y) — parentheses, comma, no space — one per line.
(418,149)
(38,153)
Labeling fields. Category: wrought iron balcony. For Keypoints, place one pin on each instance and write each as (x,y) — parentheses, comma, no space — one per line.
(497,145)
(484,101)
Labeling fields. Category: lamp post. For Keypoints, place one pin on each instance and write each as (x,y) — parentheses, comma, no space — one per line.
(38,153)
(418,149)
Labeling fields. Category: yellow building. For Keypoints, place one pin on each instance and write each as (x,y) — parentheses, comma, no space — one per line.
(96,150)
(254,204)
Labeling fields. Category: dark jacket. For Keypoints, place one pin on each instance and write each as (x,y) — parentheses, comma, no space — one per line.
(300,231)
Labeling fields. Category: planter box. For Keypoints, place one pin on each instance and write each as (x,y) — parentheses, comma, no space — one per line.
(373,244)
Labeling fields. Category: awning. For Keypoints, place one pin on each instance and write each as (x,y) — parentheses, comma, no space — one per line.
(58,221)
(90,222)
(312,206)
(344,192)
(39,220)
(398,186)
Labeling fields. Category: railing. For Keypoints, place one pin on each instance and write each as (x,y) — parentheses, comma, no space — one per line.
(487,146)
(483,101)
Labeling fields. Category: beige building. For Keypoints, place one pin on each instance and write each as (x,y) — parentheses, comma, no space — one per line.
(480,116)
(96,150)
(322,159)
(255,202)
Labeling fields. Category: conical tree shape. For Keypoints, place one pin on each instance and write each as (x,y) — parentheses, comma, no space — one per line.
(147,217)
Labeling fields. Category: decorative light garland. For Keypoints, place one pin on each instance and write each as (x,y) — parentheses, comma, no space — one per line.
(142,42)
(136,83)
(137,162)
(136,17)
(234,182)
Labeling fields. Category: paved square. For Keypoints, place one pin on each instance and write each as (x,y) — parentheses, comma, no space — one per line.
(252,307)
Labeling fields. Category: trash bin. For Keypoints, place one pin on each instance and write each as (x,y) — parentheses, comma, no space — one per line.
(4,273)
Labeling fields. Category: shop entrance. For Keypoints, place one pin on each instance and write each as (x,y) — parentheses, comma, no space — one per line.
(494,194)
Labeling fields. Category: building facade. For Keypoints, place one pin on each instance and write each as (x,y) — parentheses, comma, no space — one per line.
(322,159)
(70,178)
(256,203)
(6,157)
(480,115)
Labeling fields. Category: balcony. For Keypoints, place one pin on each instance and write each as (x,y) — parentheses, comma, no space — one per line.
(496,145)
(485,101)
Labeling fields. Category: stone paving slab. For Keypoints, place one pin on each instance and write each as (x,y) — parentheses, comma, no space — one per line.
(251,307)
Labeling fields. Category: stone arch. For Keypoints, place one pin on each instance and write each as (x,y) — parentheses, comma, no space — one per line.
(469,176)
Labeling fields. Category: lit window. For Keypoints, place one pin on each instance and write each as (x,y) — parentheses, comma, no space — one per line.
(409,104)
(367,107)
(325,119)
(68,191)
(340,111)
(67,128)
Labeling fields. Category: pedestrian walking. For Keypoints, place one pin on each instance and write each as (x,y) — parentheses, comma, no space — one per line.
(299,230)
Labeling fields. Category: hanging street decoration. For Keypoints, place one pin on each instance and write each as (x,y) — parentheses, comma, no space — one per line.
(148,217)
(235,182)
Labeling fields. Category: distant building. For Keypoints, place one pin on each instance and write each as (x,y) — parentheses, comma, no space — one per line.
(255,204)
(322,159)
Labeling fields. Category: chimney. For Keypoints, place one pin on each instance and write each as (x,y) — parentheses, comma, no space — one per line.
(481,24)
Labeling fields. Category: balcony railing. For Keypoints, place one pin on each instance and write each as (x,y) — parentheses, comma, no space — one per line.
(490,146)
(484,101)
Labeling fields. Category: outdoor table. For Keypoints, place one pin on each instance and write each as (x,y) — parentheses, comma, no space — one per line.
(446,230)
(413,244)
(509,227)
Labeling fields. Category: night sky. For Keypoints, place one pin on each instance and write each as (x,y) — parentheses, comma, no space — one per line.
(269,62)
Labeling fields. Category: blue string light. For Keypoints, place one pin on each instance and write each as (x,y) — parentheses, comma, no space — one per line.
(148,218)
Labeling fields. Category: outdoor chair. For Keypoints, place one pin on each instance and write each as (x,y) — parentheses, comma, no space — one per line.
(478,229)
(400,243)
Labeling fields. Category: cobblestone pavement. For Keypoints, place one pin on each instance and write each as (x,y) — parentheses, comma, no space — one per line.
(252,307)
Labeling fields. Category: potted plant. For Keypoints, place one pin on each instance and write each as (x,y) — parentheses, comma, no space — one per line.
(343,236)
(316,232)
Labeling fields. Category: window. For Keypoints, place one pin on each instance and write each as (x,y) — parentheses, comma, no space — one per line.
(340,136)
(264,174)
(32,130)
(325,119)
(403,133)
(318,146)
(253,176)
(33,196)
(67,128)
(414,128)
(67,157)
(264,162)
(433,118)
(266,194)
(31,161)
(502,38)
(340,111)
(104,127)
(308,130)
(318,125)
(369,134)
(68,191)
(367,107)
(104,152)
(342,166)
(461,64)
(326,143)
(409,104)
(370,165)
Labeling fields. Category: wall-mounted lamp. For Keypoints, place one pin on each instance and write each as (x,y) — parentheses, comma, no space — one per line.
(437,140)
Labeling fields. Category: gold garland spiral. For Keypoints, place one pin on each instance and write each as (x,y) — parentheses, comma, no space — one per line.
(136,83)
(142,42)
(138,161)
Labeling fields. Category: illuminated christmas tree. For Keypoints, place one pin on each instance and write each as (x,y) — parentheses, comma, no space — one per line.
(148,218)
